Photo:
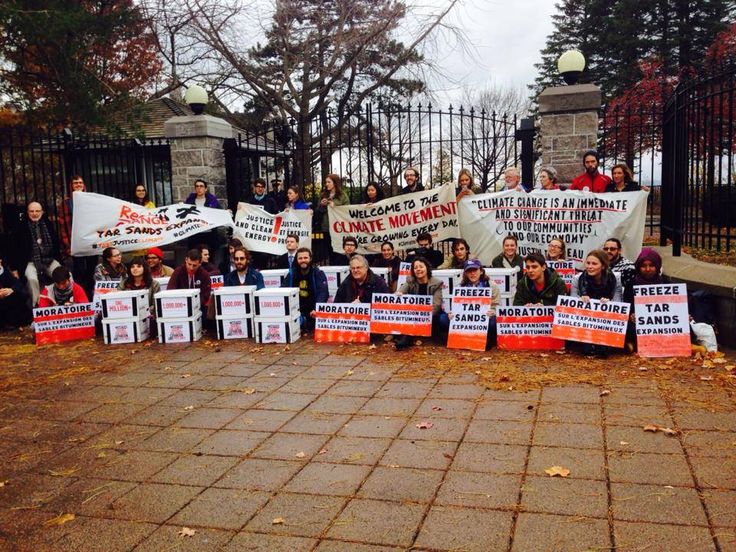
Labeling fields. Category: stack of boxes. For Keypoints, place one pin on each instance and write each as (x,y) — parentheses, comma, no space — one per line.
(234,308)
(506,280)
(125,316)
(451,278)
(178,315)
(335,276)
(275,277)
(277,315)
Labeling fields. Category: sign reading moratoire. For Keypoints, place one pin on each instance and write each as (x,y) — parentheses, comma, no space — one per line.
(102,221)
(566,270)
(264,232)
(591,321)
(469,323)
(582,219)
(342,323)
(526,328)
(662,320)
(401,314)
(398,219)
(64,323)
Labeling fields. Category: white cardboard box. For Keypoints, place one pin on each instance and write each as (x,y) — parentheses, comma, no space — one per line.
(125,304)
(125,330)
(273,278)
(382,271)
(450,279)
(277,329)
(179,330)
(276,302)
(504,278)
(177,303)
(163,282)
(235,327)
(335,276)
(506,300)
(234,301)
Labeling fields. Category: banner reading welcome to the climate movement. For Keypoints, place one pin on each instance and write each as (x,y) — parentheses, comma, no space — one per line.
(398,219)
(102,221)
(582,219)
(262,231)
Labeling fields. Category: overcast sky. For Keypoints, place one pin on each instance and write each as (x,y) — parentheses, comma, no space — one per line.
(506,39)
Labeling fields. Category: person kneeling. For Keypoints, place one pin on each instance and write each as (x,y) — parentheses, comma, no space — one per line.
(539,285)
(312,284)
(360,284)
(474,275)
(63,291)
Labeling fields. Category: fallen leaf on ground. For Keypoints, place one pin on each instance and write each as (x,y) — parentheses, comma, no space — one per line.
(349,373)
(185,376)
(323,451)
(249,390)
(720,360)
(3,483)
(354,457)
(64,473)
(187,532)
(708,364)
(656,428)
(504,377)
(272,374)
(560,352)
(604,393)
(102,455)
(557,471)
(300,455)
(190,407)
(623,443)
(729,367)
(436,408)
(373,346)
(425,425)
(543,355)
(61,519)
(706,378)
(277,521)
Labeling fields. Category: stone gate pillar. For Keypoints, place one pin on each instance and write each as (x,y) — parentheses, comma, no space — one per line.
(568,125)
(196,152)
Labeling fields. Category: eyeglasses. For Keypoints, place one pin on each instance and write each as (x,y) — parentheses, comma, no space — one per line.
(358,268)
(610,249)
(240,258)
(555,246)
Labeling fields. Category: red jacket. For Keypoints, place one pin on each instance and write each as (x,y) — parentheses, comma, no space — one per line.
(47,296)
(597,184)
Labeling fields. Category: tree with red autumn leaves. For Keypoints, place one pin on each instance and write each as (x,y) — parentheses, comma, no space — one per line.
(74,63)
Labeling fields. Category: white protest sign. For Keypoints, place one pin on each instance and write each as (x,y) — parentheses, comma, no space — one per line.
(662,320)
(262,231)
(398,219)
(582,219)
(469,322)
(102,221)
(526,328)
(401,314)
(342,323)
(63,323)
(593,321)
(404,271)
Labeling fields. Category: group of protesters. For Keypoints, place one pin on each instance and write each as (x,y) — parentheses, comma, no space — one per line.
(37,253)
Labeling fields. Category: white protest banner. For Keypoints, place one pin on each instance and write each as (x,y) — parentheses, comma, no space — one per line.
(582,219)
(469,322)
(63,323)
(264,232)
(592,322)
(662,320)
(526,328)
(401,314)
(102,221)
(398,219)
(566,270)
(342,323)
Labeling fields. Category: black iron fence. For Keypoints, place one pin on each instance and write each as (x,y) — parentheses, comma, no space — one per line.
(633,135)
(375,145)
(699,195)
(36,166)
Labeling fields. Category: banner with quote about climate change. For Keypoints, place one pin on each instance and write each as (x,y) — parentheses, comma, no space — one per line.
(582,219)
(264,232)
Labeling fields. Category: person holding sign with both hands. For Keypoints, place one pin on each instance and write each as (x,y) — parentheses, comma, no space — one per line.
(474,275)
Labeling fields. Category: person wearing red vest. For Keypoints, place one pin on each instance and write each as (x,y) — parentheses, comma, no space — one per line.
(591,178)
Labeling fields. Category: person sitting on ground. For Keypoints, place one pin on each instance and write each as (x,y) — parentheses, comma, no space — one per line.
(138,277)
(474,275)
(360,285)
(243,275)
(597,281)
(140,197)
(211,268)
(548,179)
(287,259)
(373,193)
(510,257)
(617,262)
(388,259)
(460,255)
(261,198)
(36,249)
(294,199)
(591,179)
(540,285)
(312,285)
(154,258)
(227,265)
(191,275)
(14,309)
(63,291)
(421,282)
(622,179)
(425,251)
(556,250)
(349,246)
(111,269)
(465,185)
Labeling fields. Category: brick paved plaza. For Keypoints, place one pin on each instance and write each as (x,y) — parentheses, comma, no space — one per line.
(317,448)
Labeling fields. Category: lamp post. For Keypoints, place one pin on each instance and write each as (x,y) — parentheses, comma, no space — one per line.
(571,65)
(196,98)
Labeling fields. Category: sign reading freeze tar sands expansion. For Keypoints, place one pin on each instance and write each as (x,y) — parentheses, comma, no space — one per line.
(262,231)
(398,219)
(582,219)
(101,221)
(662,320)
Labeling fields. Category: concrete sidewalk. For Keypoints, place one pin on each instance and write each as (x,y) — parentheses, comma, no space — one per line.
(315,449)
